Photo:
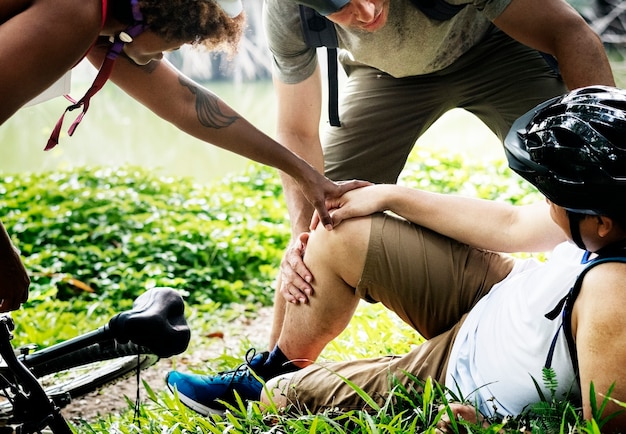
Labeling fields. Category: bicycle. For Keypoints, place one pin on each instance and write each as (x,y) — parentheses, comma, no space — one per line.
(30,382)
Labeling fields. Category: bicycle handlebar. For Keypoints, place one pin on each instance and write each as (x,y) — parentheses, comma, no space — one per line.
(156,321)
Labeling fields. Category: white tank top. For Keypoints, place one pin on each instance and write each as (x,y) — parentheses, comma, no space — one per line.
(505,340)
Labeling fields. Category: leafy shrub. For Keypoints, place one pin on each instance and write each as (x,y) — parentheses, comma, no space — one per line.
(117,232)
(448,173)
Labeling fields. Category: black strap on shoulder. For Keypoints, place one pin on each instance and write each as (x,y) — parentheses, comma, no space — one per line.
(439,10)
(571,298)
(320,32)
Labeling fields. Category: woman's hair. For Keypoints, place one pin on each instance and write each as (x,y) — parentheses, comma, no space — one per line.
(199,22)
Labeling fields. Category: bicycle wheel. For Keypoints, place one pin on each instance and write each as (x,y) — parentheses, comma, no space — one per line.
(85,370)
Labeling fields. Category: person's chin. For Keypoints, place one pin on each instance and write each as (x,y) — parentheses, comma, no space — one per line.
(377,24)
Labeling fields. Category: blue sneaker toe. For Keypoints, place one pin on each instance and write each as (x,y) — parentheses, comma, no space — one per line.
(203,393)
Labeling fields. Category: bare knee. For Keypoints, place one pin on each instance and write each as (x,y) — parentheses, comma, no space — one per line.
(342,250)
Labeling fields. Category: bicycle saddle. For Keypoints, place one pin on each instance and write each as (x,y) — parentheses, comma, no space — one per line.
(156,321)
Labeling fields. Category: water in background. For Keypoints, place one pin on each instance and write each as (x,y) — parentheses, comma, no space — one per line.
(117,131)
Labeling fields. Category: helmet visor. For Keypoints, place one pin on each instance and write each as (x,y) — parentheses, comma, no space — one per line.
(324,7)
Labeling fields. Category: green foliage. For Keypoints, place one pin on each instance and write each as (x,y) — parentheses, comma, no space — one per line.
(550,413)
(53,321)
(488,179)
(117,232)
(120,231)
(373,331)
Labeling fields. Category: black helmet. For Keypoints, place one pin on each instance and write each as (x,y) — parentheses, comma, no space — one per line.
(573,149)
(324,7)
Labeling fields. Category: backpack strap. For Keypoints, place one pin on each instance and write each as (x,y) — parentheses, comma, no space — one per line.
(439,10)
(320,32)
(567,303)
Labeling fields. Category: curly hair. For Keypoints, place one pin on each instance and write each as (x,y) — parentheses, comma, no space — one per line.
(201,22)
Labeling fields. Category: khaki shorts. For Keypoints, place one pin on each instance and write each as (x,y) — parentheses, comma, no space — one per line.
(431,282)
(381,116)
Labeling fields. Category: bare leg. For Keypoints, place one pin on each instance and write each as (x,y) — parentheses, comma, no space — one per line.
(279,315)
(336,259)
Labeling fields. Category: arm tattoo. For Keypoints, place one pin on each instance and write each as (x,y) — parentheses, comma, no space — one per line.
(209,113)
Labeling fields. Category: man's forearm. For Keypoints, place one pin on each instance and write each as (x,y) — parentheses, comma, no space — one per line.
(300,210)
(559,30)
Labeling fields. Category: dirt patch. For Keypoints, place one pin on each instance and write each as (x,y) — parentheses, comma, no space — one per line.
(110,399)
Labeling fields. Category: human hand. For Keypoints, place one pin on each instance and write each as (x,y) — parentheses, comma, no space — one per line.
(295,276)
(460,412)
(355,203)
(323,193)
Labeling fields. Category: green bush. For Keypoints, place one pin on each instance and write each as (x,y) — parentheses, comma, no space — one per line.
(117,232)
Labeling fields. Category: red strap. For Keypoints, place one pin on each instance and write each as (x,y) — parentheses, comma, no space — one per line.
(104,13)
(101,78)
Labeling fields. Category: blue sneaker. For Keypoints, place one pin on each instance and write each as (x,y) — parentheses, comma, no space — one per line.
(202,393)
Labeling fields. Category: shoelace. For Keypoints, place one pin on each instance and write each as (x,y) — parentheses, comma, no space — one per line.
(244,369)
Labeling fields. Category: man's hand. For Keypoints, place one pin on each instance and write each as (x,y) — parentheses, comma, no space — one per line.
(295,276)
(355,203)
(322,193)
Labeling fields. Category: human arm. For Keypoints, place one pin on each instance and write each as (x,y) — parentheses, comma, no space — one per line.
(599,329)
(485,224)
(556,28)
(299,109)
(14,280)
(41,41)
(197,111)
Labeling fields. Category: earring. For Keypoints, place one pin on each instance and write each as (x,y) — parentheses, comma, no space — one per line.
(125,37)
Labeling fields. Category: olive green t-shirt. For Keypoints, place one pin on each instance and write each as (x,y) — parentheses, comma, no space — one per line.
(409,44)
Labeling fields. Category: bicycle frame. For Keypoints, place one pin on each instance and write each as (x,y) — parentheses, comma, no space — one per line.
(30,402)
(154,328)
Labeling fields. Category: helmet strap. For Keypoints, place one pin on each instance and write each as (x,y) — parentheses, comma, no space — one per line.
(574,226)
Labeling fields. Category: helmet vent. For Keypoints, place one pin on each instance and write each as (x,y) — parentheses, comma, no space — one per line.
(617,104)
(612,134)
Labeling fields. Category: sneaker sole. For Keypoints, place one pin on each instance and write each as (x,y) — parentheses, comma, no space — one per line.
(199,408)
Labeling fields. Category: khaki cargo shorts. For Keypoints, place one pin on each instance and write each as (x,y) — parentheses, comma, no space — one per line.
(431,282)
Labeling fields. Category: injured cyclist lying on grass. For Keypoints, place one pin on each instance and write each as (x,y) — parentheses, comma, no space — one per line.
(493,322)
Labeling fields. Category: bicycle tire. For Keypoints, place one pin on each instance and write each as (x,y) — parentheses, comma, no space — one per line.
(82,371)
